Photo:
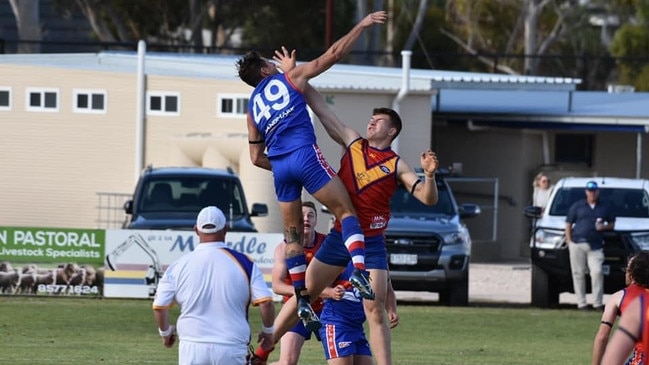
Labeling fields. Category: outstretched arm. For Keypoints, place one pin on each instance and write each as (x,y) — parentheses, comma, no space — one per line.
(338,131)
(425,191)
(302,73)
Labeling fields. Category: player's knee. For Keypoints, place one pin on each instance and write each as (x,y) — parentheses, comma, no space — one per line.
(374,309)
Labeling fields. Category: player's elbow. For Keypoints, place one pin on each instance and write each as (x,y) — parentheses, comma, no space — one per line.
(277,289)
(430,200)
(602,335)
(257,159)
(257,163)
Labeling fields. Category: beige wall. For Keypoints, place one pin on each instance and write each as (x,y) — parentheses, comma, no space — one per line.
(53,163)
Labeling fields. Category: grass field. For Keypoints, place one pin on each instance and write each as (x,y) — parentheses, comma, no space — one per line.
(109,331)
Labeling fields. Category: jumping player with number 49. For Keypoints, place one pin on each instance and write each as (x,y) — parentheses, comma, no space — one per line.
(278,121)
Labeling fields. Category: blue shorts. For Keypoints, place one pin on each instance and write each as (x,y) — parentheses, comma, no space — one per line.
(305,167)
(333,252)
(301,330)
(342,341)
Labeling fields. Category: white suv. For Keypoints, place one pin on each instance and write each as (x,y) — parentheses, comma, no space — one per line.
(551,274)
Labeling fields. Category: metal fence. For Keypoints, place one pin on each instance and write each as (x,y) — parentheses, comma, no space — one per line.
(110,210)
(485,193)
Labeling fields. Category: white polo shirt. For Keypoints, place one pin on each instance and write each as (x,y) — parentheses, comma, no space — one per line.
(214,287)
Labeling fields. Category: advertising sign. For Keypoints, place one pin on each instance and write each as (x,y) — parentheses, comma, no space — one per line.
(136,259)
(51,261)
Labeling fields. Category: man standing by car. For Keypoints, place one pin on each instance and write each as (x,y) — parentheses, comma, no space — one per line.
(585,222)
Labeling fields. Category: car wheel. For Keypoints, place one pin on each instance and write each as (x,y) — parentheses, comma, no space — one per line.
(544,291)
(457,295)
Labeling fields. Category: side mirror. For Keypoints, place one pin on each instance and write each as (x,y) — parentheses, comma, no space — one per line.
(533,212)
(128,207)
(259,210)
(468,210)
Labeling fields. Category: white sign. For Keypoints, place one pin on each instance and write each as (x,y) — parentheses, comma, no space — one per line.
(136,259)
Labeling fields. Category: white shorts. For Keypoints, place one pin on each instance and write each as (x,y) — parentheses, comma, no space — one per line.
(205,353)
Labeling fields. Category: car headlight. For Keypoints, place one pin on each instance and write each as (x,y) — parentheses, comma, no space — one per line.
(641,240)
(454,238)
(549,239)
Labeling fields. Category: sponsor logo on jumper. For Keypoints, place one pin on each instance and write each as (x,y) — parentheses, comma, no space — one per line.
(273,123)
(378,221)
(363,178)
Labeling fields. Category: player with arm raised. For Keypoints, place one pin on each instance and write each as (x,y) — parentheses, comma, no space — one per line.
(371,172)
(282,139)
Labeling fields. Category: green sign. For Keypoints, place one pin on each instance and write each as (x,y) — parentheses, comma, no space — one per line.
(52,245)
(52,261)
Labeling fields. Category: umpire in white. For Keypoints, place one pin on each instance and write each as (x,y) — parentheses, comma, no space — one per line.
(214,287)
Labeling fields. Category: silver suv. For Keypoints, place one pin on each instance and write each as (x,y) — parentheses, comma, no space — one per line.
(429,247)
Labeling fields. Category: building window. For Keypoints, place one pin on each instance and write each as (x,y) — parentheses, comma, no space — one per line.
(89,101)
(574,148)
(163,103)
(42,100)
(5,98)
(232,105)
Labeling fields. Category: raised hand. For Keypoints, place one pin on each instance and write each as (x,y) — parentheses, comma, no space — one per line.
(429,162)
(378,17)
(285,59)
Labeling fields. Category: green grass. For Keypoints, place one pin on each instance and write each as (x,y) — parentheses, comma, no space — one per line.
(109,331)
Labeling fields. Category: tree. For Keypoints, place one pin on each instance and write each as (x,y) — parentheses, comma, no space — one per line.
(296,24)
(159,21)
(27,13)
(630,45)
(417,29)
(536,37)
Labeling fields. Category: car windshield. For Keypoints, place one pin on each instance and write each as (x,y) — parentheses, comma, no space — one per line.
(404,202)
(632,203)
(189,194)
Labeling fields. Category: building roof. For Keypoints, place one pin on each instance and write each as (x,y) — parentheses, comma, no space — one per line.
(512,101)
(339,77)
(577,110)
